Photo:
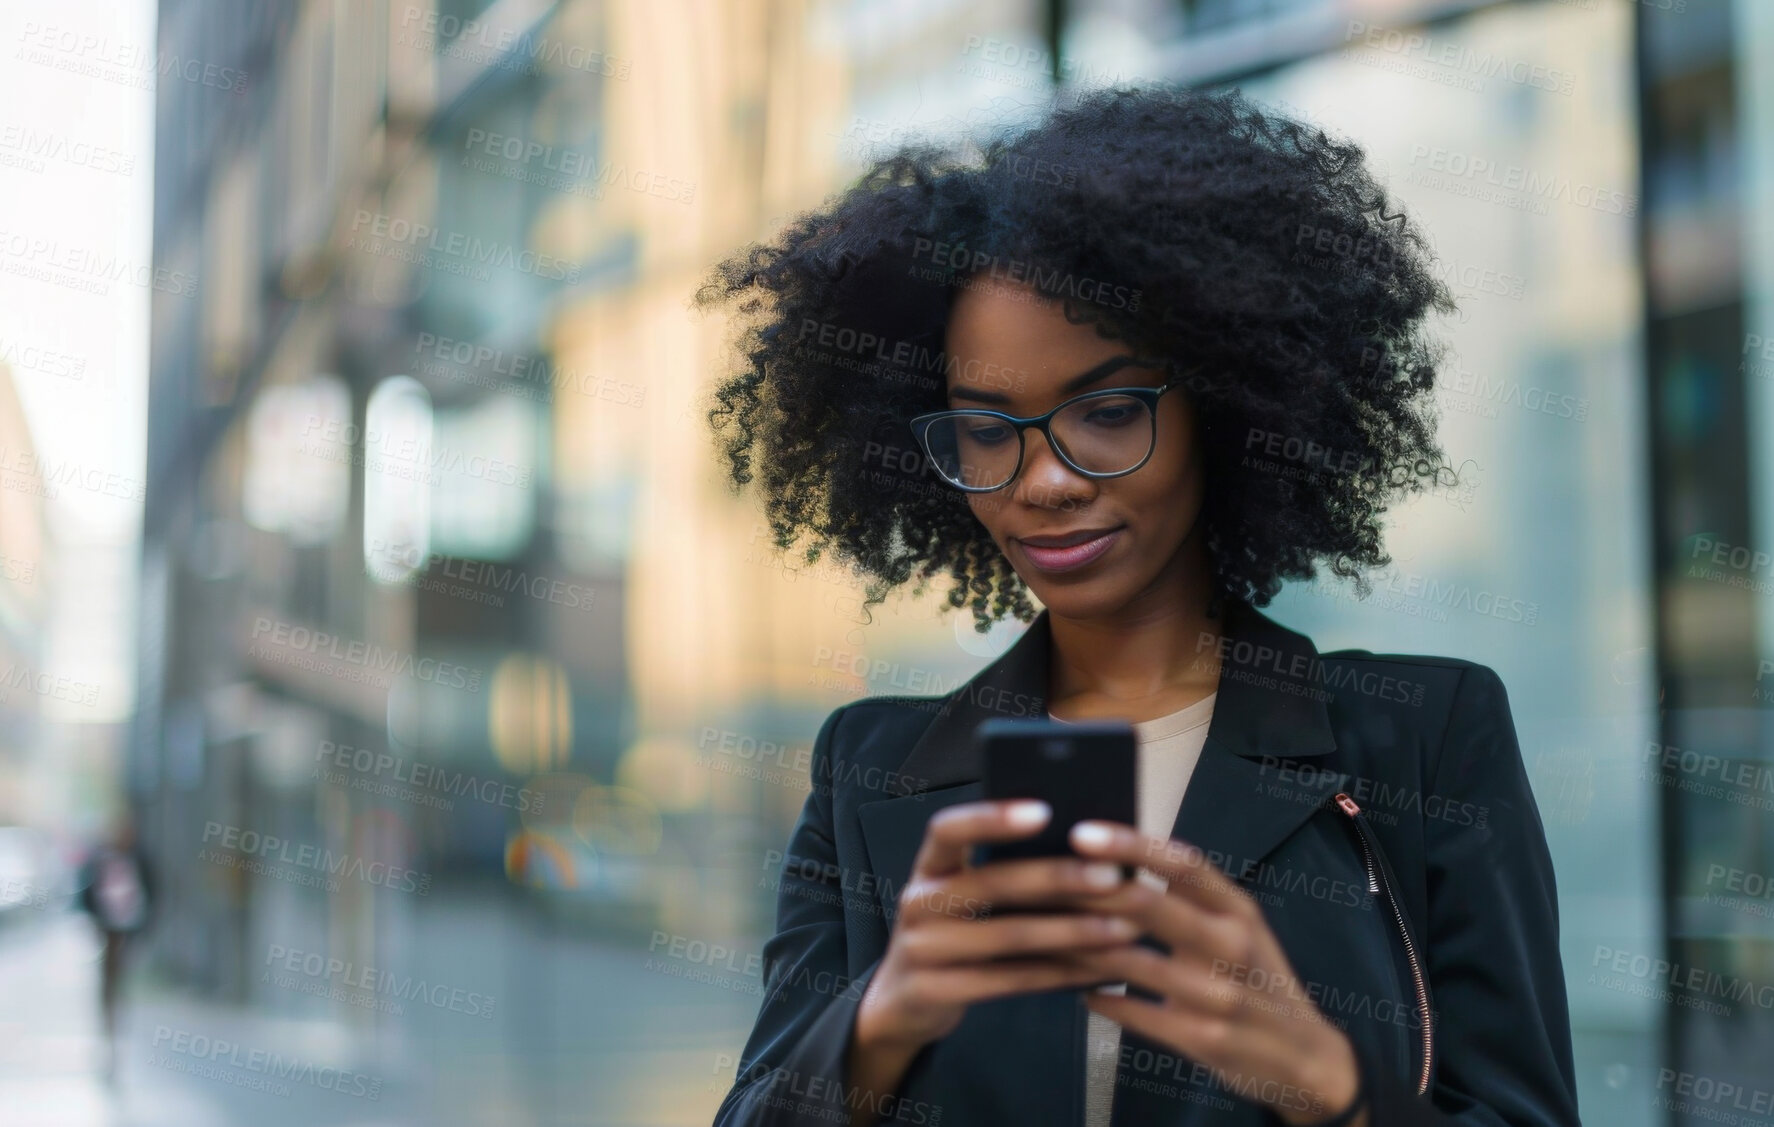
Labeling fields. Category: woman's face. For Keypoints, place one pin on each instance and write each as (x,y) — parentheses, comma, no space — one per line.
(1011,350)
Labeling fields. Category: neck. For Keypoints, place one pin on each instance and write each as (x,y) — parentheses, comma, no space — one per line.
(1157,653)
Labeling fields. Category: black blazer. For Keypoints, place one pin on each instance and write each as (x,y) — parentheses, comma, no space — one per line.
(1426,887)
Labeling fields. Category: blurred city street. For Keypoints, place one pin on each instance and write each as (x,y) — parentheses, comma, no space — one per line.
(587,1040)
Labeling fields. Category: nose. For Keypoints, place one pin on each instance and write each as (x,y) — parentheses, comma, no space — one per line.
(1045,481)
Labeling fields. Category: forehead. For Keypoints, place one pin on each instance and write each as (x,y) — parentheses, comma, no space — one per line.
(1008,346)
(998,325)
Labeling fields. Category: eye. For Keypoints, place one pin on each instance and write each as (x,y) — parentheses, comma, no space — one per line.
(987,434)
(1112,414)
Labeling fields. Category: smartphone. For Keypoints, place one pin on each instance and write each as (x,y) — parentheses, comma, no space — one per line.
(1083,770)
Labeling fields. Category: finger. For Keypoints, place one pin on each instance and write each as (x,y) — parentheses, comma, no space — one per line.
(983,981)
(1184,926)
(950,942)
(1185,867)
(953,830)
(1200,986)
(1071,881)
(1139,966)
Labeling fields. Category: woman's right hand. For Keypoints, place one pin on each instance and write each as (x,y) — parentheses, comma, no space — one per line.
(952,946)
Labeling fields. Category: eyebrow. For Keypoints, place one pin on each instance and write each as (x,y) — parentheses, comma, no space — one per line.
(1076,383)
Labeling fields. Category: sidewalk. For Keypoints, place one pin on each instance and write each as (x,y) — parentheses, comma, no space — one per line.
(584,1034)
(171,1072)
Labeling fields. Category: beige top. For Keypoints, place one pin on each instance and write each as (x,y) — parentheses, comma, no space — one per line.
(1169,747)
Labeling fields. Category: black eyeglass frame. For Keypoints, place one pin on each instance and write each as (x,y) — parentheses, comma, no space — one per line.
(1150,396)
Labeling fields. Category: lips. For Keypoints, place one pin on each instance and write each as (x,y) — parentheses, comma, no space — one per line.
(1066,540)
(1071,550)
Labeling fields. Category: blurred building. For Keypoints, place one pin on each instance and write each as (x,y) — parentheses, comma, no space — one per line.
(425,447)
(24,605)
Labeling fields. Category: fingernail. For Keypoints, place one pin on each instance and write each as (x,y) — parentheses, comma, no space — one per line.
(1090,835)
(1026,815)
(1102,874)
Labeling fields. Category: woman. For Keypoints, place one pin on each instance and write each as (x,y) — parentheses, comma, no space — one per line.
(1198,330)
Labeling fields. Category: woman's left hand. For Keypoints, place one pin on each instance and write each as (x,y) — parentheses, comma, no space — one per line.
(1229,998)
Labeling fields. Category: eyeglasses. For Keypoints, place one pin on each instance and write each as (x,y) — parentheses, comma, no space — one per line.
(1099,434)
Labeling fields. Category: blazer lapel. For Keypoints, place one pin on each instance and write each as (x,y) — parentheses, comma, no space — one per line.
(1244,797)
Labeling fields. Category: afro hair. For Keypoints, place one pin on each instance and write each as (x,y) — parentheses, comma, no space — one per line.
(1253,255)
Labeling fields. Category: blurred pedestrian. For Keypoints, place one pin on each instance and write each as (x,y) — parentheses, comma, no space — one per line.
(115,890)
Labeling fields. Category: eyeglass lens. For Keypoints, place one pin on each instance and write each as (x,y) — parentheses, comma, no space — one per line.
(1105,434)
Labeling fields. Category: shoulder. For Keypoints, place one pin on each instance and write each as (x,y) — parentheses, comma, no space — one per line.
(1433,699)
(1434,672)
(868,722)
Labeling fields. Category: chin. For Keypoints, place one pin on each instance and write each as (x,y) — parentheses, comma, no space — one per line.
(1092,598)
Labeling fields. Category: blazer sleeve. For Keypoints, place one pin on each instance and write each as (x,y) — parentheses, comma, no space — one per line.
(1501,1019)
(792,1069)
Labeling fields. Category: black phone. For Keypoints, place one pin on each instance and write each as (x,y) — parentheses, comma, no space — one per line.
(1084,770)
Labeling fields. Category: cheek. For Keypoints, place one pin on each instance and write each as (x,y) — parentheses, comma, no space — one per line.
(985,510)
(1172,479)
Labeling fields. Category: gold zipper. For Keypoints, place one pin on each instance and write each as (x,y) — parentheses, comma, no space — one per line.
(1376,882)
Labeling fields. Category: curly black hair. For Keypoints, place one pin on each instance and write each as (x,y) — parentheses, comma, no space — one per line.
(1254,255)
